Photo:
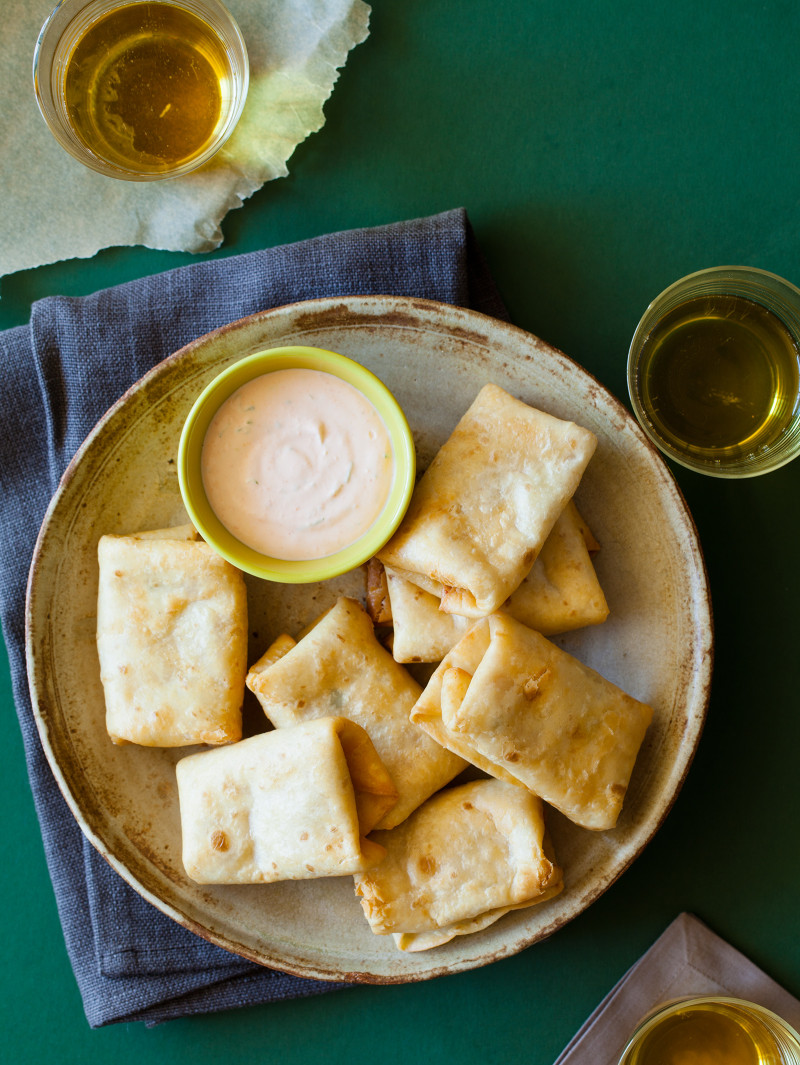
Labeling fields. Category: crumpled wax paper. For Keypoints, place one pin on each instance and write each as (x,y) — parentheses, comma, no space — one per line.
(55,208)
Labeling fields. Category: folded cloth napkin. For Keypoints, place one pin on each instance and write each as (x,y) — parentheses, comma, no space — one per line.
(687,959)
(61,373)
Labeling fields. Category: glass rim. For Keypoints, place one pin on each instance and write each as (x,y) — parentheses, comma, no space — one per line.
(61,31)
(774,292)
(774,1022)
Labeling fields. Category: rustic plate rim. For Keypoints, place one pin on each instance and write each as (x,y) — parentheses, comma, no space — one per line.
(371,307)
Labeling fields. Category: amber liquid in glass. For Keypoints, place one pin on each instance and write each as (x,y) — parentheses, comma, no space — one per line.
(711,1033)
(719,374)
(147,86)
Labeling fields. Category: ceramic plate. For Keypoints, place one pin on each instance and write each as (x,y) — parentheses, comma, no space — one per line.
(656,645)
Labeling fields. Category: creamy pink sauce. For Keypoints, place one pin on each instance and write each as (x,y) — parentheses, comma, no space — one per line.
(297,464)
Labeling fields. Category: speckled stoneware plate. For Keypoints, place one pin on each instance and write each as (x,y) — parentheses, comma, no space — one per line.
(657,643)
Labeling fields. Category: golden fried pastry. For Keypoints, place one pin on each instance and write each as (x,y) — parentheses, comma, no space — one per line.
(338,667)
(517,706)
(560,593)
(486,504)
(290,804)
(460,862)
(171,638)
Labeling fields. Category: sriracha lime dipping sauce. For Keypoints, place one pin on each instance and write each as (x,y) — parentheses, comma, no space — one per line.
(297,464)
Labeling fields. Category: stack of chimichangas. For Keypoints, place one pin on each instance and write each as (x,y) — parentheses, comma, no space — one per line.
(357,777)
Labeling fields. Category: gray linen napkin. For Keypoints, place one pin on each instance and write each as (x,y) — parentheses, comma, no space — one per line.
(61,373)
(687,959)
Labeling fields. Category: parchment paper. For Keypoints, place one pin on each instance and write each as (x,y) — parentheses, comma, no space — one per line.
(55,208)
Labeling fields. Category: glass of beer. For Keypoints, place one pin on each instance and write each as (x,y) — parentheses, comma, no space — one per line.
(714,371)
(712,1030)
(141,90)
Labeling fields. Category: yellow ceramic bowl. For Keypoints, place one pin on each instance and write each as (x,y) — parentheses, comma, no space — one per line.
(220,538)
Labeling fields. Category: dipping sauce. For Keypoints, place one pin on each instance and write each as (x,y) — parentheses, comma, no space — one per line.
(147,86)
(297,464)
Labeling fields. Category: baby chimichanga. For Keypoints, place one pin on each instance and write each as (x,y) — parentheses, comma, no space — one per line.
(517,706)
(290,804)
(459,863)
(486,504)
(337,666)
(560,593)
(171,638)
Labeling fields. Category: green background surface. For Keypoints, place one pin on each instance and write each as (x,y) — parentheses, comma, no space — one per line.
(602,150)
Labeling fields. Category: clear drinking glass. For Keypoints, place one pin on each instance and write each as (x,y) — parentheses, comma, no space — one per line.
(714,371)
(715,1030)
(141,91)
